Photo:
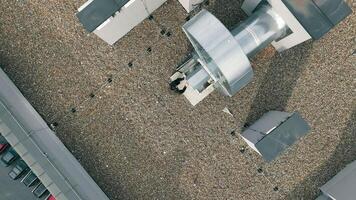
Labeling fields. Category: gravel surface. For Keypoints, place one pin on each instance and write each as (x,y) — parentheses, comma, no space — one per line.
(139,140)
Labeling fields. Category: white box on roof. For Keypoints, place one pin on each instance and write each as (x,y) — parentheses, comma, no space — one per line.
(189,5)
(133,13)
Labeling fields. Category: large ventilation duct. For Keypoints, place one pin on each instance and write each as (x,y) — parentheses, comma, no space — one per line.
(221,57)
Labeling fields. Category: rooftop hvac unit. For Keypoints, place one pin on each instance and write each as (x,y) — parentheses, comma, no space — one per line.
(274,132)
(221,57)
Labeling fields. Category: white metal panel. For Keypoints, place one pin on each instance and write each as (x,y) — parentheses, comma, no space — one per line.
(14,97)
(258,130)
(189,5)
(61,196)
(56,191)
(4,130)
(129,16)
(12,139)
(28,158)
(84,5)
(269,121)
(343,185)
(46,180)
(152,5)
(21,149)
(133,13)
(251,137)
(37,168)
(299,34)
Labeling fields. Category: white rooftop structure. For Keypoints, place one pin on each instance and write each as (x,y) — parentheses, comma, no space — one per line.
(342,186)
(41,149)
(112,19)
(274,132)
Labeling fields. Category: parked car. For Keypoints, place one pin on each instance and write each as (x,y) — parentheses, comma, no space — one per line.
(51,197)
(3,144)
(39,190)
(2,139)
(19,169)
(30,179)
(3,147)
(9,157)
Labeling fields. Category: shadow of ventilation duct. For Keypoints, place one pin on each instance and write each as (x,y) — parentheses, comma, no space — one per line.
(278,83)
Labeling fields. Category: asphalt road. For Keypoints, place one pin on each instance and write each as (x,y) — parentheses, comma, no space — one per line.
(139,140)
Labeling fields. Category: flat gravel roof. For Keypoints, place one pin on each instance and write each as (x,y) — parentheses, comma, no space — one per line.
(139,140)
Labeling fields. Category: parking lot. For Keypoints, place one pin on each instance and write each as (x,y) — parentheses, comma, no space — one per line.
(14,189)
(139,140)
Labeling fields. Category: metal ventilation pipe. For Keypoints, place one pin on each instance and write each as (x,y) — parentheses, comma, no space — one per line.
(215,64)
(221,58)
(259,30)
